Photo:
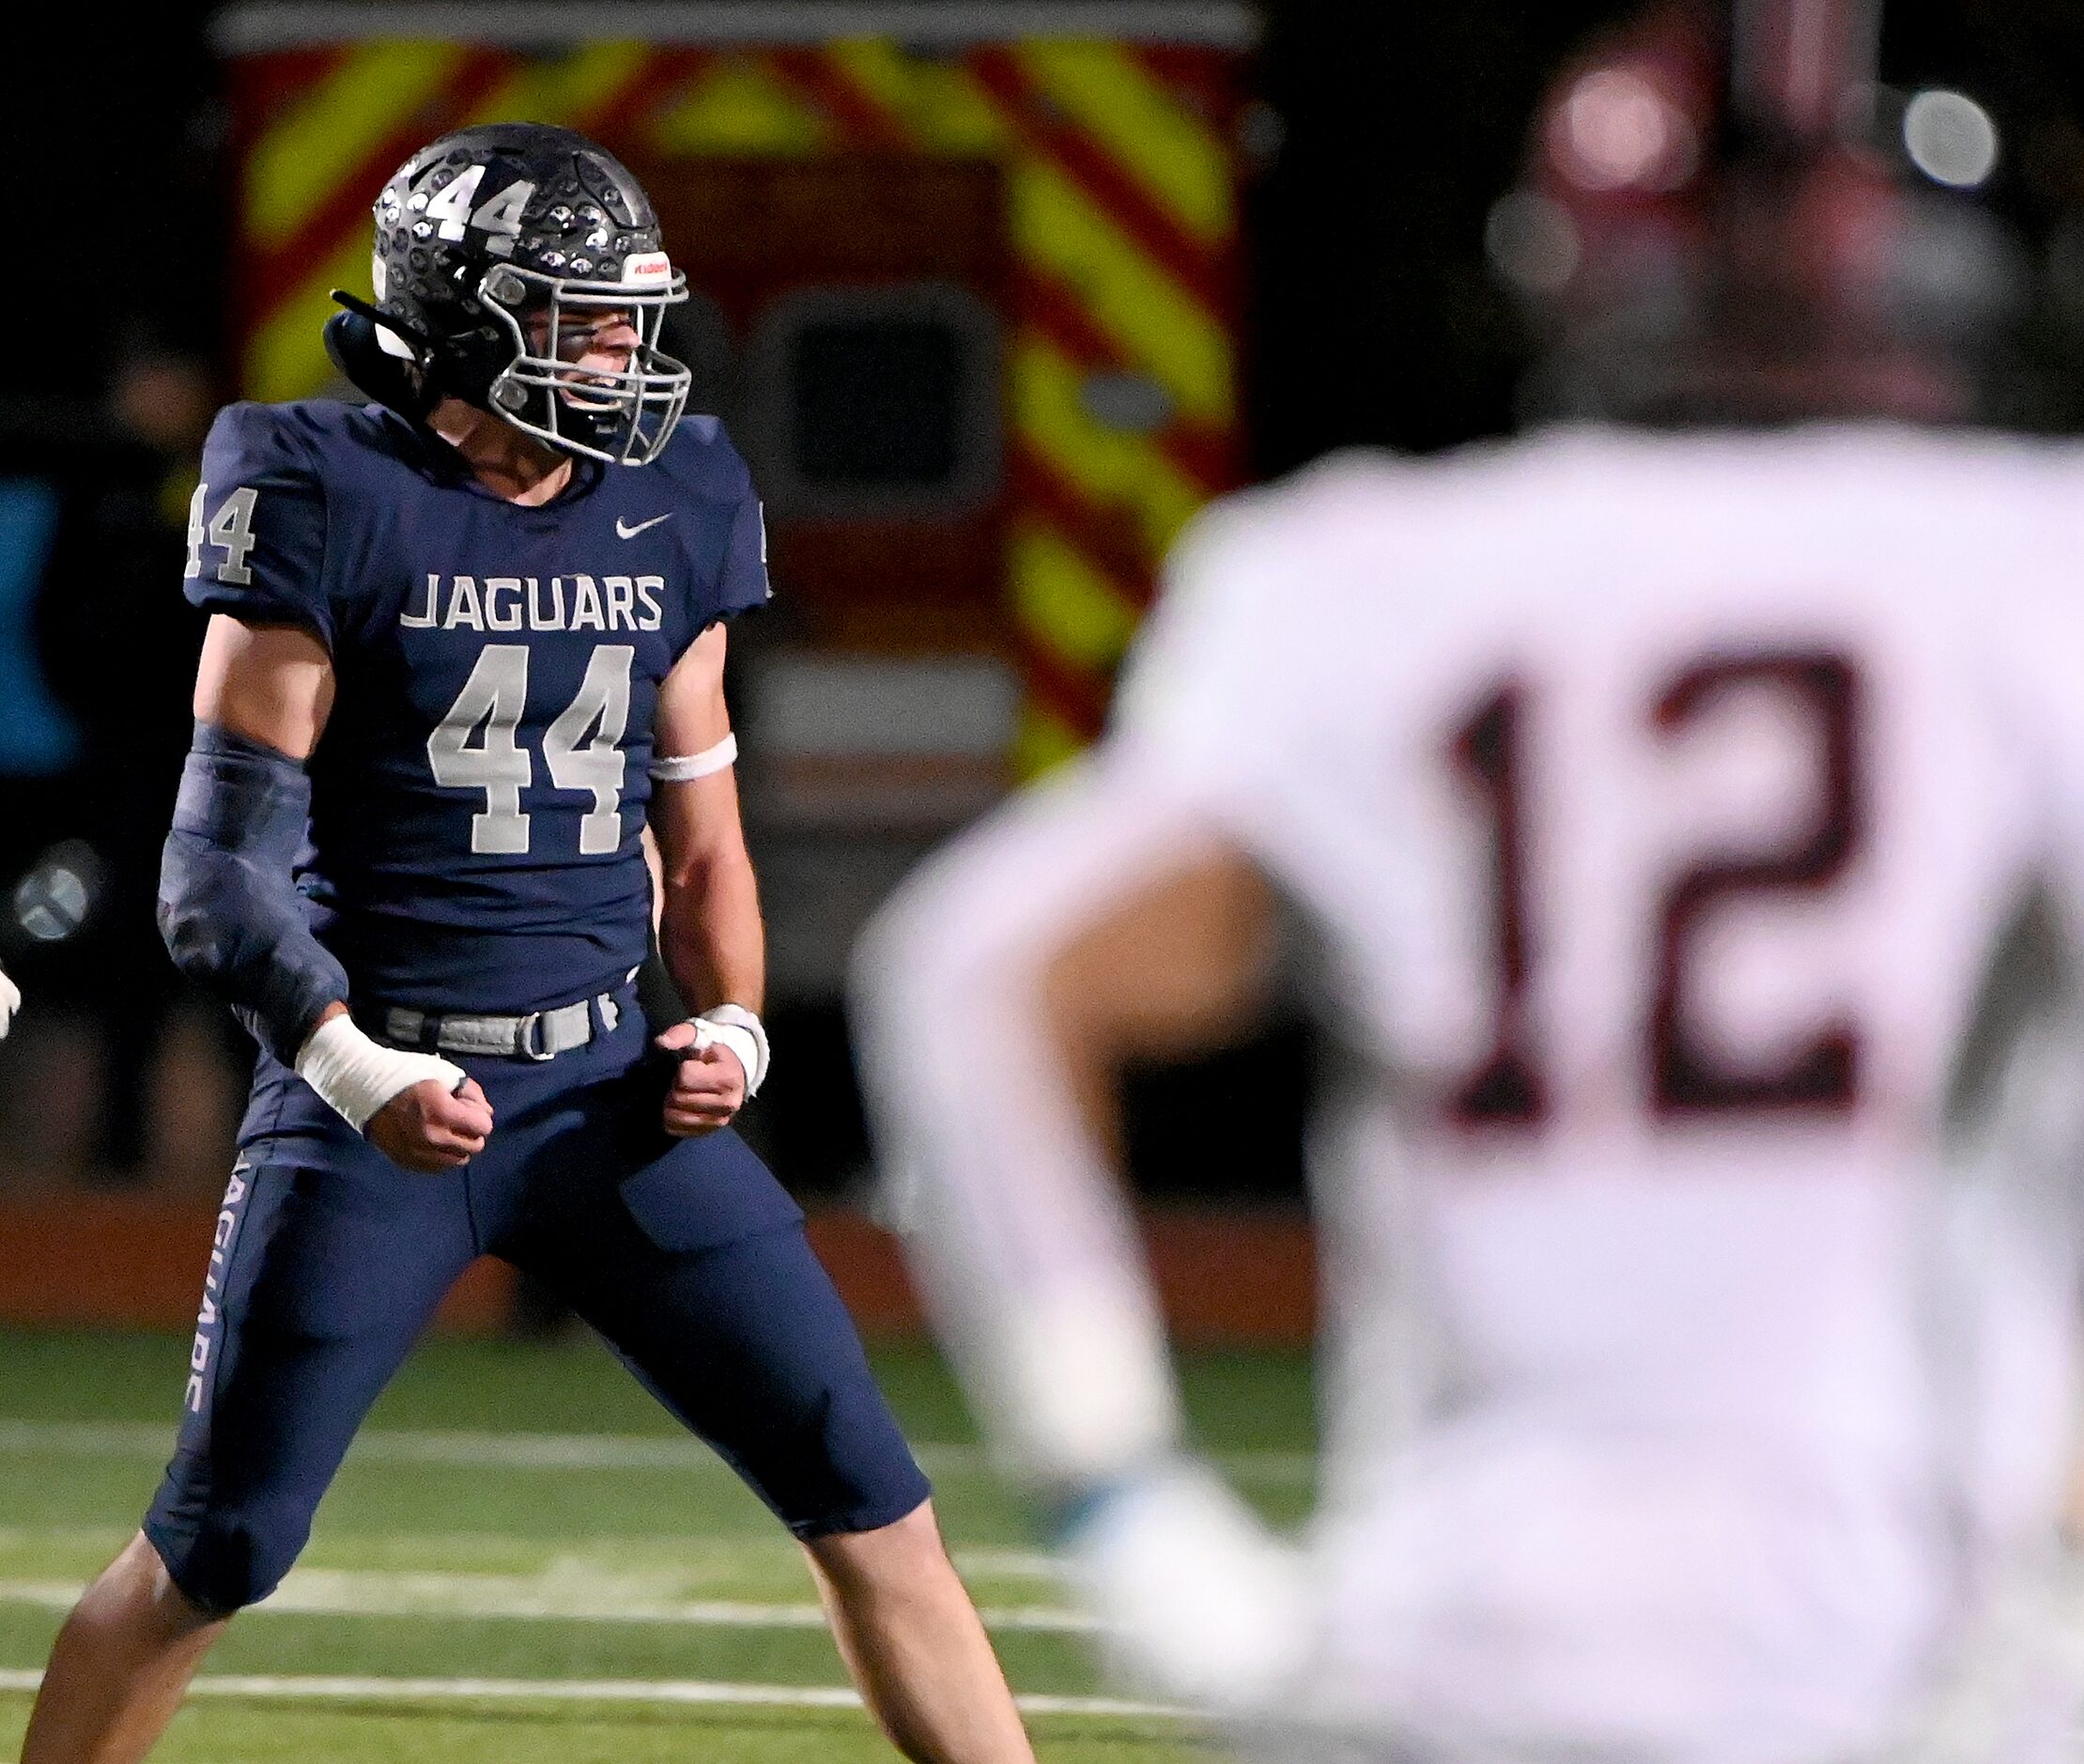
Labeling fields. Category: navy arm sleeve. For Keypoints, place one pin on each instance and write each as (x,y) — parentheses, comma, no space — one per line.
(257,534)
(228,909)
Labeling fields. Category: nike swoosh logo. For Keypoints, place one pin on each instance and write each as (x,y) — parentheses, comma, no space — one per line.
(630,533)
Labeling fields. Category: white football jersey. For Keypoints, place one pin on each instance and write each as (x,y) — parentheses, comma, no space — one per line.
(1694,829)
(1694,826)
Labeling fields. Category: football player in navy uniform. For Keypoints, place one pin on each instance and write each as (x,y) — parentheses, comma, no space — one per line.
(460,657)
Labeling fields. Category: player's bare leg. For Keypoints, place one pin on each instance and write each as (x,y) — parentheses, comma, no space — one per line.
(121,1665)
(913,1641)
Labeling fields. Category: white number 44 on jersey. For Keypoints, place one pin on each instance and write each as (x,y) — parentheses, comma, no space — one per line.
(231,531)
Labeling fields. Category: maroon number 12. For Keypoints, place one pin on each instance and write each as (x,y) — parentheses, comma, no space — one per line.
(1686,1078)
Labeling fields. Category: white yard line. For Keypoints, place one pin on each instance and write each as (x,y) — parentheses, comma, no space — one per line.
(687,1690)
(1009,1563)
(565,1595)
(981,1562)
(540,1452)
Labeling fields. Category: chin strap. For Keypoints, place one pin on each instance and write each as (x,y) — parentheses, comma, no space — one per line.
(431,367)
(357,350)
(422,344)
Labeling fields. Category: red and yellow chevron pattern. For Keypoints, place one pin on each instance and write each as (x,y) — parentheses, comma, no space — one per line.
(1119,161)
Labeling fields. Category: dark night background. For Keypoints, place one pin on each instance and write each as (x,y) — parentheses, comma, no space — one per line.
(1387,134)
(1375,319)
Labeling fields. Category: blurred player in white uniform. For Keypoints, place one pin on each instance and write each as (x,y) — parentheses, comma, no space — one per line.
(1692,820)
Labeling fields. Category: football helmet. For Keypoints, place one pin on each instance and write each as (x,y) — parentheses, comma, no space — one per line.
(1715,225)
(498,249)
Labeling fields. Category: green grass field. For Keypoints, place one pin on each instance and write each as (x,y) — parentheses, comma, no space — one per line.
(523,1560)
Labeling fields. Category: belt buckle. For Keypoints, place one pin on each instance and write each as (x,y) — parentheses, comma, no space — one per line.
(531,1038)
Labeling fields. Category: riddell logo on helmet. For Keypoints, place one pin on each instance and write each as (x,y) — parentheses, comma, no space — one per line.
(650,266)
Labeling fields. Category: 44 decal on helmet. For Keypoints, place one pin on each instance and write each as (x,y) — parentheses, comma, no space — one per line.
(450,209)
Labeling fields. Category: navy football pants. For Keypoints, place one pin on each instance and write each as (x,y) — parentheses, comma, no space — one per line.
(685,1255)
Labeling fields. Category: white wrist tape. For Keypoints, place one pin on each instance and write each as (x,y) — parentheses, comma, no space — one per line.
(1197,1598)
(11,1001)
(357,1076)
(686,768)
(733,1027)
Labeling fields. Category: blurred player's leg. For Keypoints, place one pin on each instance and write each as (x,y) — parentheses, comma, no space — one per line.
(914,1643)
(121,1665)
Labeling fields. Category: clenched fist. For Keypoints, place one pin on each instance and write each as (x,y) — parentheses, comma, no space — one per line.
(428,1128)
(709,1088)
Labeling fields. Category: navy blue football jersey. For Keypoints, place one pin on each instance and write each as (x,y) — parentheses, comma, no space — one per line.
(479,792)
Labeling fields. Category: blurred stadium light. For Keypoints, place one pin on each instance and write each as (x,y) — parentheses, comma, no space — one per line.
(58,895)
(1951,138)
